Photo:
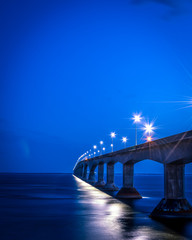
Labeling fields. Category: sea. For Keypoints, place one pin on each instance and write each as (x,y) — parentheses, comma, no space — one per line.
(63,207)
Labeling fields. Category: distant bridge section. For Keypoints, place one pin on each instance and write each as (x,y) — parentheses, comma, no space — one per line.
(173,152)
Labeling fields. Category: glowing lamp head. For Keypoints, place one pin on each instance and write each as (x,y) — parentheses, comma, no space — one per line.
(112,134)
(137,118)
(149,139)
(101,142)
(103,149)
(124,139)
(148,127)
(98,151)
(94,153)
(111,145)
(94,146)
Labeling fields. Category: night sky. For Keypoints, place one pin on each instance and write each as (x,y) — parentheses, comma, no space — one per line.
(73,71)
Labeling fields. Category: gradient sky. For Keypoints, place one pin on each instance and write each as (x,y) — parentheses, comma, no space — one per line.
(73,71)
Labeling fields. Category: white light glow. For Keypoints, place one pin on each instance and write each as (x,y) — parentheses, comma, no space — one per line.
(124,139)
(101,142)
(137,118)
(149,139)
(113,134)
(94,146)
(148,127)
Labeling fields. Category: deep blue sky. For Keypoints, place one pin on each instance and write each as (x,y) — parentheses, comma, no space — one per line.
(73,71)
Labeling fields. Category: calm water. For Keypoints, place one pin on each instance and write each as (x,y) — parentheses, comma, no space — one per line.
(60,206)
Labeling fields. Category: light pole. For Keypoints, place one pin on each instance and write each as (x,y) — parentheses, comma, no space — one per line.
(113,135)
(137,118)
(149,130)
(103,149)
(101,143)
(124,140)
(94,147)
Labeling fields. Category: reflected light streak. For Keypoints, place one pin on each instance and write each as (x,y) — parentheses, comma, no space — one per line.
(145,233)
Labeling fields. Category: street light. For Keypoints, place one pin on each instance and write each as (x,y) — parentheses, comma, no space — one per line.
(112,147)
(101,143)
(113,135)
(124,140)
(148,127)
(149,139)
(137,118)
(103,149)
(94,153)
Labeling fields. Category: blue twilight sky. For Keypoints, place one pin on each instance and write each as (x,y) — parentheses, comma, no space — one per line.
(73,71)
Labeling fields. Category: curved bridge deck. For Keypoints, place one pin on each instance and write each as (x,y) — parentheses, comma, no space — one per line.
(173,151)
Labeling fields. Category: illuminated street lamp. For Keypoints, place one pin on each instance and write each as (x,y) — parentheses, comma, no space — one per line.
(112,147)
(124,140)
(137,118)
(103,149)
(101,143)
(94,147)
(148,128)
(149,139)
(113,135)
(94,153)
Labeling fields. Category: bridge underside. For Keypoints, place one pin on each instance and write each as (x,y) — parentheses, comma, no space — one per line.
(173,153)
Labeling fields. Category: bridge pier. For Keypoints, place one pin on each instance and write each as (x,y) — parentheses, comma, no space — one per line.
(128,191)
(110,186)
(85,172)
(79,172)
(91,178)
(100,182)
(174,204)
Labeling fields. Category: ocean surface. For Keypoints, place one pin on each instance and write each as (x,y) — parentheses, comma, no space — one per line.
(61,206)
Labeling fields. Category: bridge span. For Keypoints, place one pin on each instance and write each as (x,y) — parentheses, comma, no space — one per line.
(173,152)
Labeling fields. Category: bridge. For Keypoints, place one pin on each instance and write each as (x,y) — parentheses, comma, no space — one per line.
(173,152)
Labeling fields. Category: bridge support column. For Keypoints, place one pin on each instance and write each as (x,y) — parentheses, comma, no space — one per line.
(85,172)
(100,182)
(128,191)
(174,204)
(110,186)
(91,178)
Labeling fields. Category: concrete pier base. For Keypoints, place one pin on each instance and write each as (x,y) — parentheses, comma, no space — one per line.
(174,204)
(99,184)
(172,208)
(110,186)
(128,191)
(91,178)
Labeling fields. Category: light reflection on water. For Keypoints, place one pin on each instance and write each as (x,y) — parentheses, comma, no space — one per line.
(114,219)
(60,206)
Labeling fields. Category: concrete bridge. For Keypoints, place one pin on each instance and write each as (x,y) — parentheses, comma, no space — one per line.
(173,152)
